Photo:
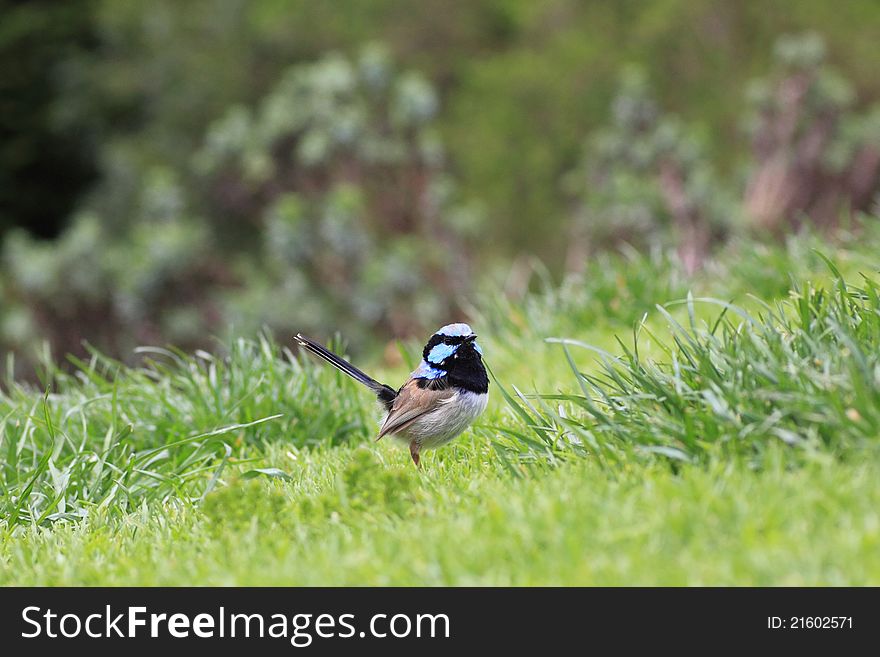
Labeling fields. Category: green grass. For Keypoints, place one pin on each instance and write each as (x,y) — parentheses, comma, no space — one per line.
(804,371)
(731,442)
(465,521)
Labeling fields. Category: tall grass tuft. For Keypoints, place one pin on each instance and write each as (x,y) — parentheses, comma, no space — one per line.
(803,372)
(111,438)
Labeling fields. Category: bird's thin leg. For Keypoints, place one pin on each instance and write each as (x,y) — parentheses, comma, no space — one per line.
(414,452)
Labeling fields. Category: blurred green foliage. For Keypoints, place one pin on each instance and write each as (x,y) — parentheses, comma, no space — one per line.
(646,179)
(340,171)
(354,166)
(816,156)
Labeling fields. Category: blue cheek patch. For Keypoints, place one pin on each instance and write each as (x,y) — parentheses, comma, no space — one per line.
(478,348)
(441,352)
(425,371)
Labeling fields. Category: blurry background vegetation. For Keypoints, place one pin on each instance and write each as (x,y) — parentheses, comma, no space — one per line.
(171,171)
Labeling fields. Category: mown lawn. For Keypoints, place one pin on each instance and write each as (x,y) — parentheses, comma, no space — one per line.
(466,522)
(740,451)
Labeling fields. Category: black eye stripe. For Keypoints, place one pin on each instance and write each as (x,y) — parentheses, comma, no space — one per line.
(433,342)
(451,340)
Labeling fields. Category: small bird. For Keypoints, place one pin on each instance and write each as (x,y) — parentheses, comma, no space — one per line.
(446,392)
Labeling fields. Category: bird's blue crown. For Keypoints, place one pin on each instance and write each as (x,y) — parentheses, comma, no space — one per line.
(455,330)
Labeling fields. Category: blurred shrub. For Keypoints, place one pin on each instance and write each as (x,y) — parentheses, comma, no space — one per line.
(151,285)
(320,197)
(326,205)
(519,113)
(340,171)
(815,159)
(523,81)
(646,180)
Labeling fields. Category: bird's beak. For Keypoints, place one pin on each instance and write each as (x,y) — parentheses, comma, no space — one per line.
(470,338)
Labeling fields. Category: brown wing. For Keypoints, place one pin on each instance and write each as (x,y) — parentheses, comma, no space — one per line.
(411,403)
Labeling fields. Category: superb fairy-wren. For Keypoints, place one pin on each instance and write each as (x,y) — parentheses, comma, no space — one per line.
(447,391)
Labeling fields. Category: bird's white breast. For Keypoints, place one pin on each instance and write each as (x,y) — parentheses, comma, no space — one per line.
(449,419)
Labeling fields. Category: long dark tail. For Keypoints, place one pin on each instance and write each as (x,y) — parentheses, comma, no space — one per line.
(385,393)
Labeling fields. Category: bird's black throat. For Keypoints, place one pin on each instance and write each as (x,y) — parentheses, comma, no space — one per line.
(465,370)
(472,378)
